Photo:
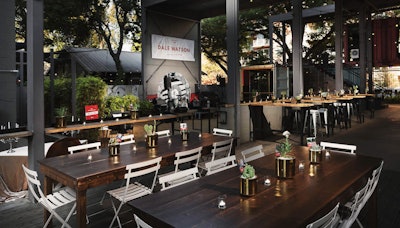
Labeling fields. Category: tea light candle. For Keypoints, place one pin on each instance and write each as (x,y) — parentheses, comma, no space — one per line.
(84,123)
(221,204)
(160,114)
(117,119)
(267,181)
(101,121)
(301,166)
(89,158)
(134,148)
(199,135)
(327,154)
(169,141)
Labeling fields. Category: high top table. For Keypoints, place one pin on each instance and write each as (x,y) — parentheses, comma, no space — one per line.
(285,203)
(75,171)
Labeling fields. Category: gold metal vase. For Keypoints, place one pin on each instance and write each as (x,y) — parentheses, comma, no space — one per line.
(285,167)
(248,187)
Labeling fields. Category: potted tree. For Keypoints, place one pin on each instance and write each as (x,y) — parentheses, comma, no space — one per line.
(61,117)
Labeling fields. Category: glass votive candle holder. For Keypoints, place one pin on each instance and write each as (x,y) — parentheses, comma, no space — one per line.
(134,148)
(199,135)
(169,141)
(89,158)
(267,181)
(221,202)
(327,154)
(301,165)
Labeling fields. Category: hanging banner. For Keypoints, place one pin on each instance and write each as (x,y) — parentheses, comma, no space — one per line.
(165,47)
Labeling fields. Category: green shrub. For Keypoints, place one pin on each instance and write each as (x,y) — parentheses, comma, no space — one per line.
(90,90)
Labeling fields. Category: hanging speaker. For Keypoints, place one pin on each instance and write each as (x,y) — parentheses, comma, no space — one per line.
(354,53)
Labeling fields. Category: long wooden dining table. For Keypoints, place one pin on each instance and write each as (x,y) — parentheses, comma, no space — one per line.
(295,202)
(79,173)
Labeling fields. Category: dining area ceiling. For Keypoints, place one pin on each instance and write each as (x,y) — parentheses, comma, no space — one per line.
(199,9)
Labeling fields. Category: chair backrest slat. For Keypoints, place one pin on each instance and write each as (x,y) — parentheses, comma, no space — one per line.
(253,153)
(339,147)
(183,157)
(164,133)
(219,165)
(73,149)
(223,132)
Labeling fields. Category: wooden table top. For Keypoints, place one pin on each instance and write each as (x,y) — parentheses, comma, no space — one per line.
(98,124)
(294,105)
(286,203)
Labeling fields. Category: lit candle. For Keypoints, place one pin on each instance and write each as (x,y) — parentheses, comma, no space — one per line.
(199,135)
(89,158)
(327,154)
(301,166)
(267,181)
(169,141)
(160,114)
(84,123)
(221,204)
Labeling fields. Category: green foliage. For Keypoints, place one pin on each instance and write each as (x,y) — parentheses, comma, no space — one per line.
(89,91)
(150,129)
(145,107)
(131,102)
(62,95)
(285,147)
(61,111)
(248,172)
(393,100)
(113,104)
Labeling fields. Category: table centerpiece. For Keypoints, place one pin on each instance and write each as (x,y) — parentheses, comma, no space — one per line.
(285,162)
(248,181)
(151,136)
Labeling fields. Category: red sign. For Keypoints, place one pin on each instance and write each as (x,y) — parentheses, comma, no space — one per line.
(91,112)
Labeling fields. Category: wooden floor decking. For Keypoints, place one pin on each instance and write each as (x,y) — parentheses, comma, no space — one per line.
(377,137)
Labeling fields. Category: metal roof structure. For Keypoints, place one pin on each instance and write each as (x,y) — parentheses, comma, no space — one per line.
(100,60)
(199,9)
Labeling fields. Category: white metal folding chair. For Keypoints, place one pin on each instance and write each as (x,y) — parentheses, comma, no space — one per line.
(220,150)
(331,219)
(339,147)
(223,132)
(374,180)
(164,133)
(252,153)
(127,139)
(181,177)
(355,206)
(182,174)
(221,164)
(136,189)
(140,223)
(53,201)
(74,149)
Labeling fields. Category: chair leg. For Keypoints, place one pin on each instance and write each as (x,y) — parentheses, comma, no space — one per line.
(116,211)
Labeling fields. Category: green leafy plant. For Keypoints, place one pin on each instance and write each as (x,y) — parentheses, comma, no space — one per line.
(145,107)
(61,111)
(150,129)
(248,172)
(285,147)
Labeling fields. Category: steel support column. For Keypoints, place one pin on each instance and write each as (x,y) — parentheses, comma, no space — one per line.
(297,33)
(232,34)
(339,44)
(35,93)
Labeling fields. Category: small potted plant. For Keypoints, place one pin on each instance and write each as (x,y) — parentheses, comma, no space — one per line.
(134,111)
(151,136)
(248,181)
(113,145)
(285,162)
(61,117)
(315,154)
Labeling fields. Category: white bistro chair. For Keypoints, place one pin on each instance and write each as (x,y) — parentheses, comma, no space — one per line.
(140,223)
(220,150)
(181,174)
(163,134)
(339,147)
(355,206)
(223,132)
(329,220)
(53,201)
(88,146)
(221,164)
(252,153)
(127,139)
(136,189)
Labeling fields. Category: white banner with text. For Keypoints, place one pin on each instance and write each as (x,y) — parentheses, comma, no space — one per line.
(165,47)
